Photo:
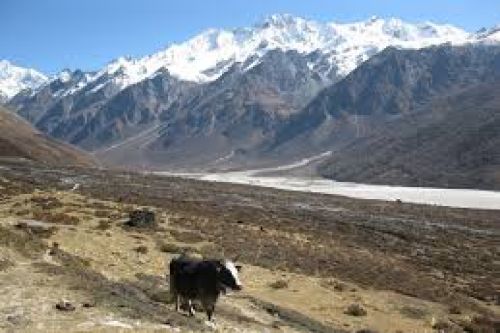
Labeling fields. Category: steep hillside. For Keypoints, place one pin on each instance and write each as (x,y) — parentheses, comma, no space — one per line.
(286,57)
(92,118)
(454,142)
(19,139)
(391,85)
(223,121)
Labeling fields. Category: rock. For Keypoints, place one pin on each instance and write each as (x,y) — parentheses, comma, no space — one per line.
(455,309)
(141,219)
(53,250)
(65,306)
(17,320)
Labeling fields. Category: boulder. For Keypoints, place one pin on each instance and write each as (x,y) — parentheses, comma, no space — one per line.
(141,219)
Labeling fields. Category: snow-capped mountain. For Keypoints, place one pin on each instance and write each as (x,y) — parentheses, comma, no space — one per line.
(13,79)
(491,35)
(208,55)
(269,94)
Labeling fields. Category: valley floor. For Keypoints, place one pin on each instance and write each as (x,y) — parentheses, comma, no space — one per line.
(460,198)
(307,257)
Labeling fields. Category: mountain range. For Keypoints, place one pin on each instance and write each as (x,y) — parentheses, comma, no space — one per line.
(281,90)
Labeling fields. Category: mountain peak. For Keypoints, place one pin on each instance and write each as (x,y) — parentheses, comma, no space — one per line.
(13,79)
(208,55)
(488,34)
(281,20)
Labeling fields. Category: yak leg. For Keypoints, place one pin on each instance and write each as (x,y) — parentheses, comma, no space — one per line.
(209,306)
(191,308)
(177,306)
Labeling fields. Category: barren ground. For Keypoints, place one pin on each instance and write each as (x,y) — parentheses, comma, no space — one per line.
(306,257)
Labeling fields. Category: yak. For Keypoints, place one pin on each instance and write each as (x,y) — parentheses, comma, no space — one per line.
(203,280)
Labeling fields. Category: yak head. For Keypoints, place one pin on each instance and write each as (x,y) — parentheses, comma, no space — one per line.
(227,275)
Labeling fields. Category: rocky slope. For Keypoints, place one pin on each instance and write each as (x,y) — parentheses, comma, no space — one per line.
(274,93)
(395,85)
(453,142)
(224,120)
(294,58)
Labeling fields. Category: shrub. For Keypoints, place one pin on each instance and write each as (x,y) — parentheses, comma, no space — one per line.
(356,310)
(177,249)
(46,202)
(441,325)
(187,236)
(56,218)
(101,213)
(5,263)
(103,225)
(141,249)
(279,284)
(141,219)
(162,296)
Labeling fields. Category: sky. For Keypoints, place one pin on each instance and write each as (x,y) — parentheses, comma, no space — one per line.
(50,35)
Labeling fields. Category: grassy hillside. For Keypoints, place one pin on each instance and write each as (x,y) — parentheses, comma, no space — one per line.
(20,140)
(311,262)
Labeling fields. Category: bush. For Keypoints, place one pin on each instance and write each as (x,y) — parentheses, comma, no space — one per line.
(162,297)
(141,249)
(336,285)
(141,219)
(37,230)
(47,202)
(187,236)
(101,213)
(103,225)
(5,263)
(356,310)
(441,325)
(56,218)
(480,324)
(176,249)
(280,284)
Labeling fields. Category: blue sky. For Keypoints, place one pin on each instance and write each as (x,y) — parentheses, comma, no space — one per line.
(50,35)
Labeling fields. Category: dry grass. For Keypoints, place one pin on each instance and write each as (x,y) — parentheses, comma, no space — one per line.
(46,202)
(187,236)
(168,247)
(480,324)
(23,240)
(101,213)
(56,218)
(37,230)
(344,243)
